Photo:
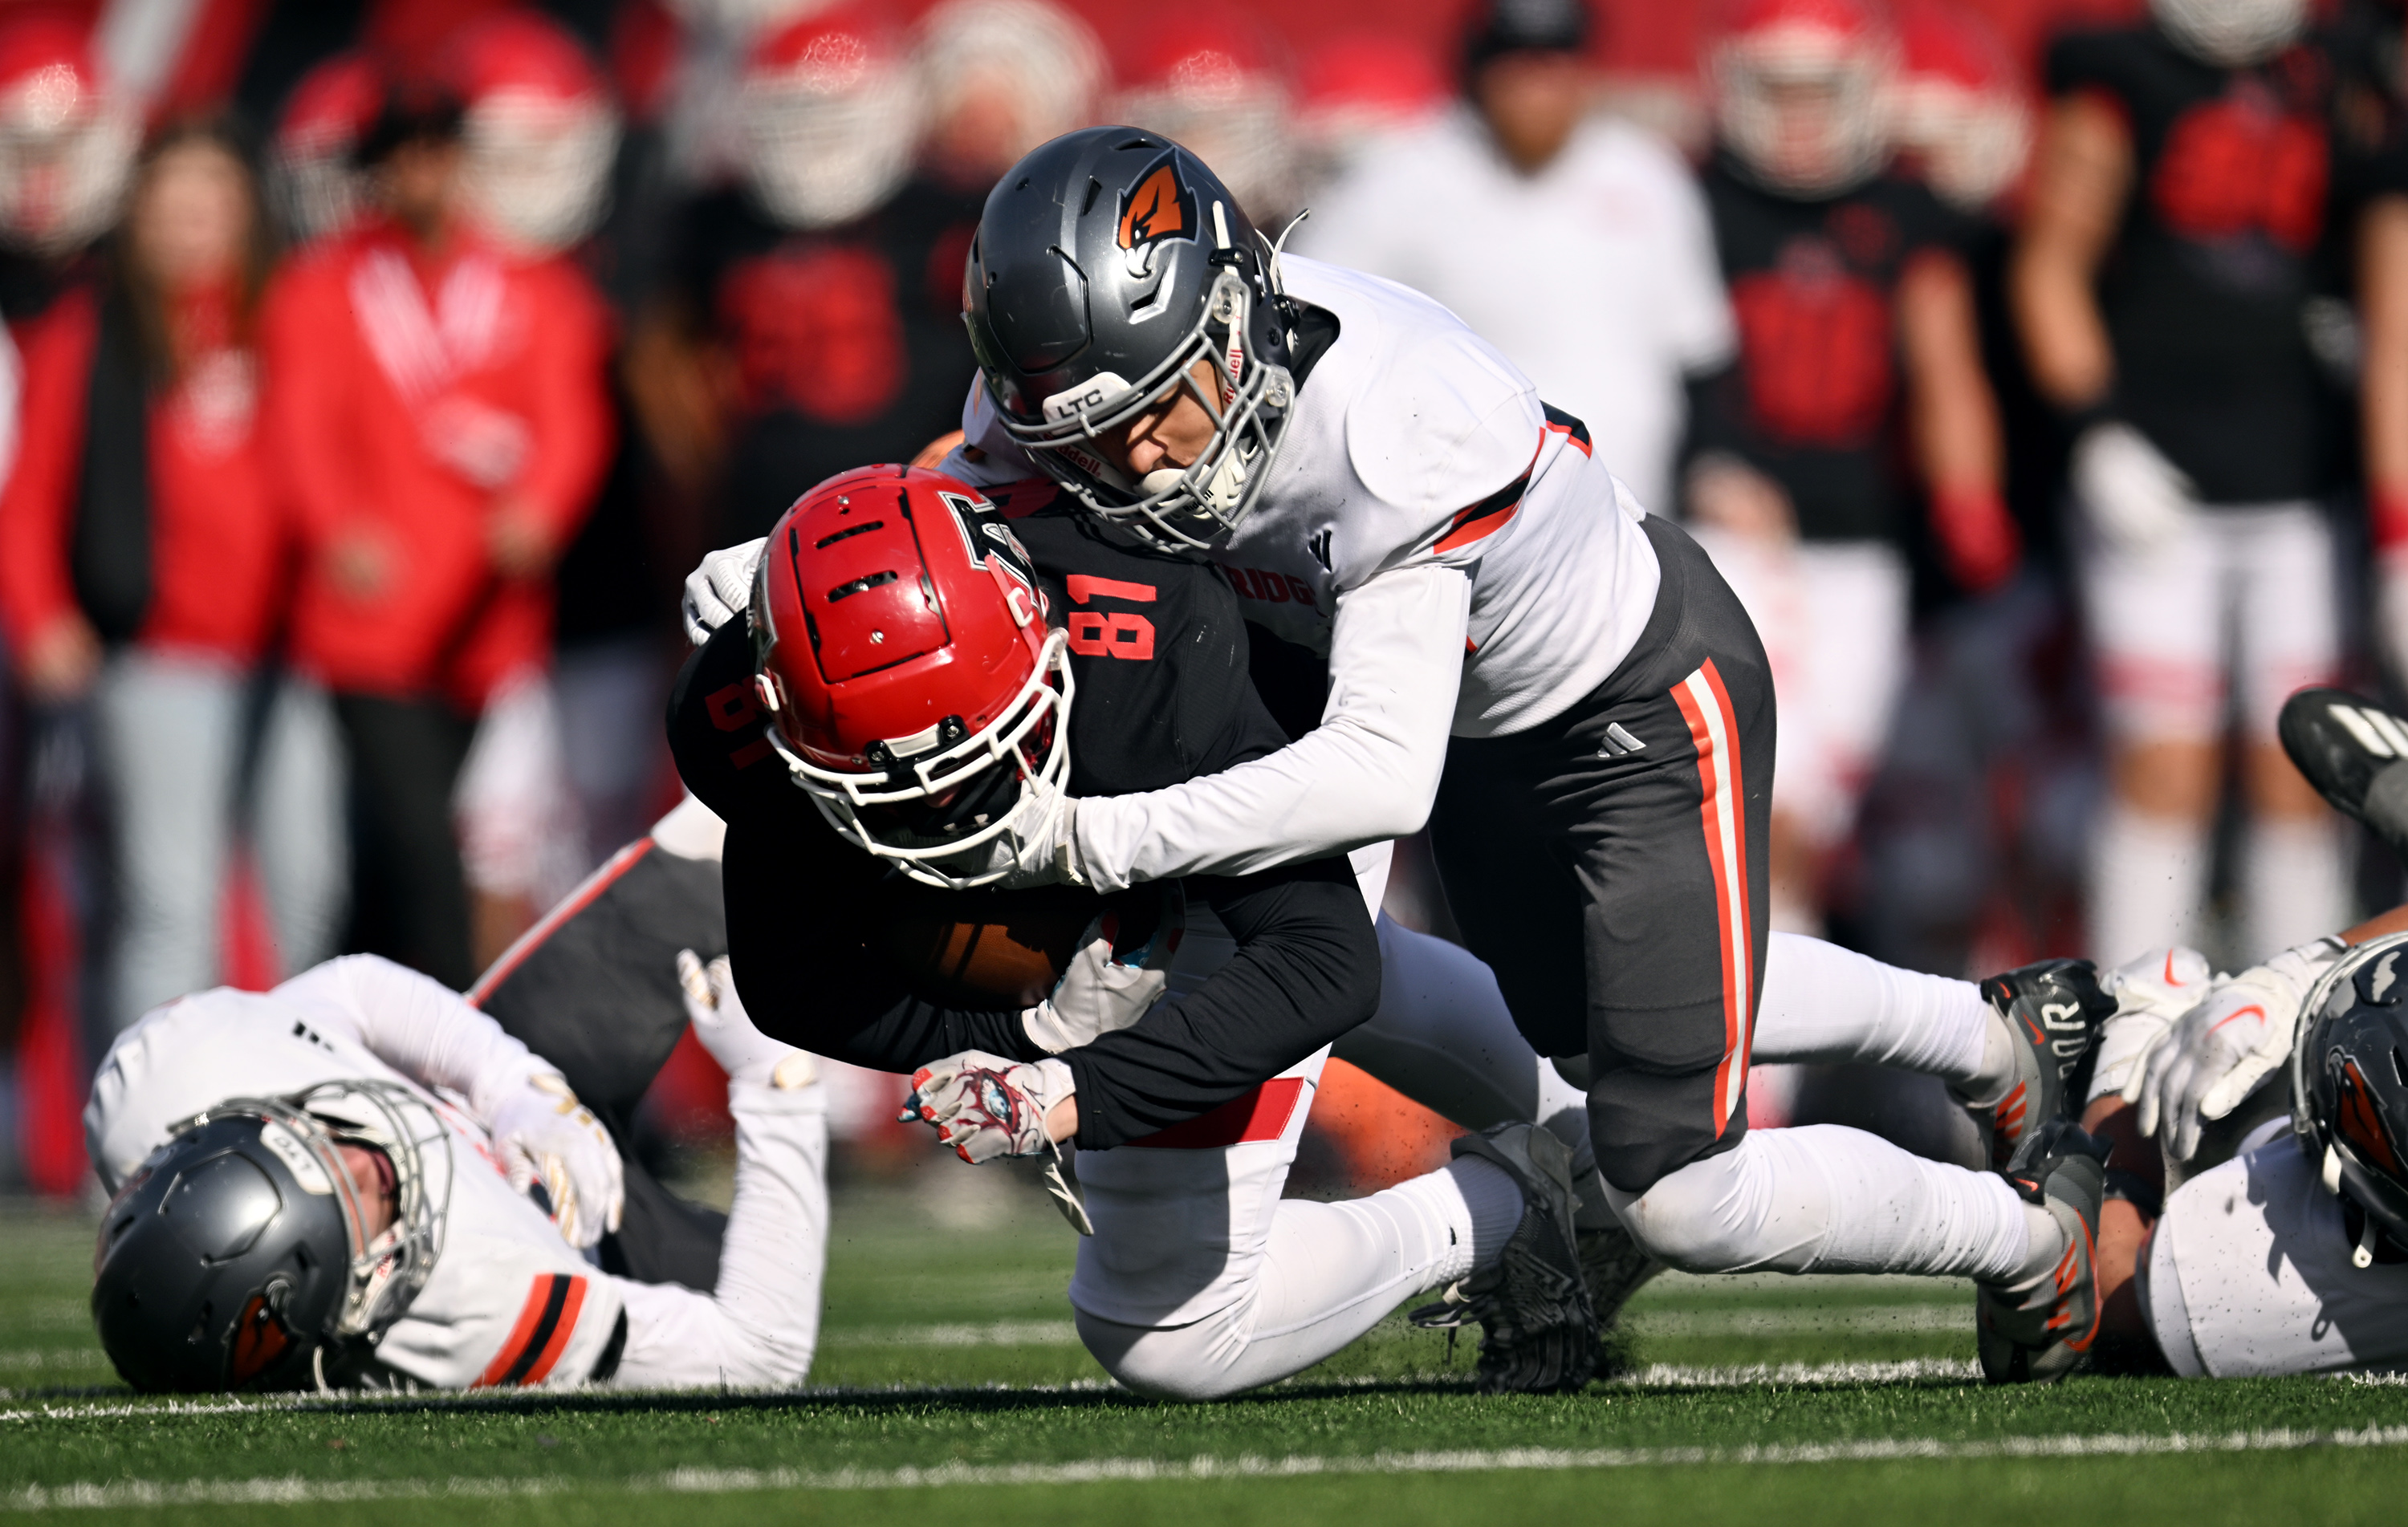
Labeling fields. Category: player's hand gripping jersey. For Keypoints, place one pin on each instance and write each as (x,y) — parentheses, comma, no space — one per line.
(1159,654)
(508,1301)
(1444,537)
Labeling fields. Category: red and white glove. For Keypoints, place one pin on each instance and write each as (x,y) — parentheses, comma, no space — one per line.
(543,1135)
(2221,1049)
(1103,989)
(985,1107)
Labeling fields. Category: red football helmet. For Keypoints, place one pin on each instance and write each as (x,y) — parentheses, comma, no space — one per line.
(316,184)
(541,130)
(832,114)
(913,687)
(66,140)
(1960,108)
(1800,89)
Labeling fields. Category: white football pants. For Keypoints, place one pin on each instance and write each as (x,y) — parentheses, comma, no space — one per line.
(1202,1281)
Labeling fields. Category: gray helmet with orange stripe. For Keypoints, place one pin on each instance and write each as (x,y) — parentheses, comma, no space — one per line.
(1110,270)
(245,1253)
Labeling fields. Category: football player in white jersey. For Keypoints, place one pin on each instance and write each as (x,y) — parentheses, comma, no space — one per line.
(327,1185)
(2258,1222)
(1559,684)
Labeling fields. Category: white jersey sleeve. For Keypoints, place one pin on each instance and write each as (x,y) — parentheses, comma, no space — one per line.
(1366,774)
(760,1325)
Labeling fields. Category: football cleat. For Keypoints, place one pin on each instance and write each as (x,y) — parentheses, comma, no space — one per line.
(1615,1267)
(1538,1330)
(2053,1009)
(2355,753)
(2038,1331)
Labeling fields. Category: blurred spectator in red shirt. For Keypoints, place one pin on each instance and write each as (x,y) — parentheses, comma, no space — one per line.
(437,408)
(140,553)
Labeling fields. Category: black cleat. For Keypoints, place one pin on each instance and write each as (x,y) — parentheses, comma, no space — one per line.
(1615,1267)
(2355,753)
(2038,1333)
(1538,1329)
(2053,1009)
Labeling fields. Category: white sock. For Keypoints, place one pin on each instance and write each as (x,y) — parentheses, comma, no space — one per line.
(2295,884)
(2043,1247)
(1826,1199)
(1824,1004)
(2148,877)
(1492,1204)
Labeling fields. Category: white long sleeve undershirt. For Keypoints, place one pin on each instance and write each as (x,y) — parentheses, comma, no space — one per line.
(1368,772)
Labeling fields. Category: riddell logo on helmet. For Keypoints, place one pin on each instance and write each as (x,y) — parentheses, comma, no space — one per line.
(1160,207)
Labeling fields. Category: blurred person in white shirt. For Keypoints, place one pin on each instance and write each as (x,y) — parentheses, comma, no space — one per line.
(1575,242)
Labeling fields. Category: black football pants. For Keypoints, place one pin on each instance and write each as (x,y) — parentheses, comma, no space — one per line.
(593,987)
(1610,867)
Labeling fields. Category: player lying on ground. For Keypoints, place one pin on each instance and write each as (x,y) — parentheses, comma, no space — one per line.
(1560,685)
(321,1184)
(1163,1309)
(2268,1113)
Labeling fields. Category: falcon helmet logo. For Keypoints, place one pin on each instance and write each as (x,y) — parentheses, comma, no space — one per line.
(1161,206)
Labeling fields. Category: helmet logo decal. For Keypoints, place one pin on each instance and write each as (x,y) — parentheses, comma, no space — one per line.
(2360,1119)
(985,535)
(1160,207)
(259,1339)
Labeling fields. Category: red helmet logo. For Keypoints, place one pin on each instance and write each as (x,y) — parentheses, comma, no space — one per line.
(914,687)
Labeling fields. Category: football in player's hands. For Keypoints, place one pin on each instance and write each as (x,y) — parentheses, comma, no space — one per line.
(543,1135)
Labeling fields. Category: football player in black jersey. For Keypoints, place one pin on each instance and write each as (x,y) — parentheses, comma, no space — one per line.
(916,693)
(2162,284)
(1856,393)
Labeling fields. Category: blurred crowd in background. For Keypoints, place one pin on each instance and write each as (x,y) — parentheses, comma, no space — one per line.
(377,368)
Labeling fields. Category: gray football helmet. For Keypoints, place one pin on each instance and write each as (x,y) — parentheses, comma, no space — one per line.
(236,1256)
(1109,263)
(2349,1087)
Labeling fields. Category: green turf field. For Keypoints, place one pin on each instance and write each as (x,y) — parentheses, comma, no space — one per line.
(945,1396)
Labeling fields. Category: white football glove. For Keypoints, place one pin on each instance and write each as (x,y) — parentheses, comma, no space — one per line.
(725,1029)
(718,589)
(543,1135)
(2150,994)
(985,1107)
(2218,1052)
(2136,498)
(1102,991)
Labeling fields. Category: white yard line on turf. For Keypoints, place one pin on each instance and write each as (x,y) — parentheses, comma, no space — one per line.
(1859,1320)
(995,1333)
(298,1491)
